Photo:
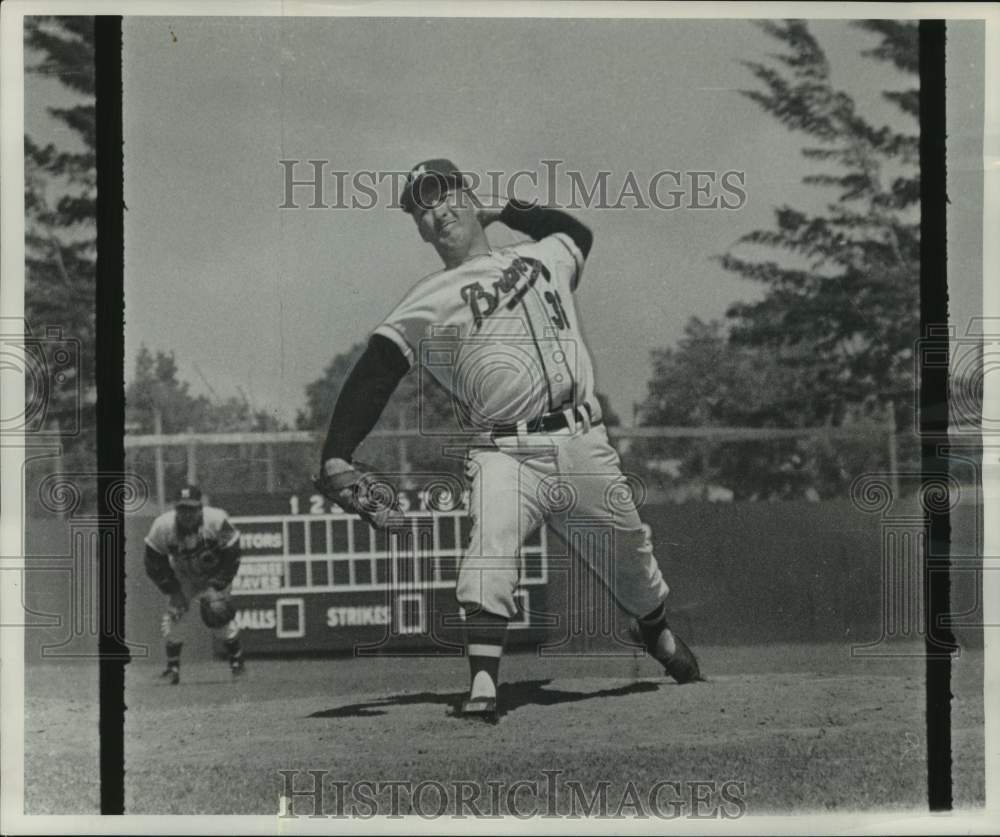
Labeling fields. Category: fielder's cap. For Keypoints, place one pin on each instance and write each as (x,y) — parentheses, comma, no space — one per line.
(189,495)
(427,181)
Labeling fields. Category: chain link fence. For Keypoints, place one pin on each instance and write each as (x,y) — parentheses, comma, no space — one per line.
(672,464)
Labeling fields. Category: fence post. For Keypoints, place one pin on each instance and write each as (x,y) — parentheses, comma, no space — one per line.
(192,461)
(161,490)
(269,465)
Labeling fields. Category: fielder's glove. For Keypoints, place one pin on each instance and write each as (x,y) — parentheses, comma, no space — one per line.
(358,491)
(216,608)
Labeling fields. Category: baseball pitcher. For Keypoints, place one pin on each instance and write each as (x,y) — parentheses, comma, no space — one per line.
(192,555)
(520,373)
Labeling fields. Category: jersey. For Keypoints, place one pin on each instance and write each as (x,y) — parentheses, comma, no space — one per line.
(500,332)
(193,557)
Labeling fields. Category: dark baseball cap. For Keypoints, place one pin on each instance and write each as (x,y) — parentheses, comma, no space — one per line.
(189,495)
(427,181)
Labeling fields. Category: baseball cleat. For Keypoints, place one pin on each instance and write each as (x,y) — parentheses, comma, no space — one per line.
(172,675)
(682,665)
(236,667)
(480,709)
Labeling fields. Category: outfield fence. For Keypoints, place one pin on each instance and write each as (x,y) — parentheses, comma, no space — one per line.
(841,557)
(674,464)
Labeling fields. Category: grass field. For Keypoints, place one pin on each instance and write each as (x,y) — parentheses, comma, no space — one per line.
(806,728)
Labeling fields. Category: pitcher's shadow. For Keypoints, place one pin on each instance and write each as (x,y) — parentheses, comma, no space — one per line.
(512,696)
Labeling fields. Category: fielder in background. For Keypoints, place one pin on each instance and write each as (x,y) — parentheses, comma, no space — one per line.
(192,555)
(523,381)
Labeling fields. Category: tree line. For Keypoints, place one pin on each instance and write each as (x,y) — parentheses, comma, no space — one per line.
(829,343)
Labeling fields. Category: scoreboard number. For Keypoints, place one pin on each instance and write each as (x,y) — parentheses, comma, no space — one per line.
(421,500)
(317,505)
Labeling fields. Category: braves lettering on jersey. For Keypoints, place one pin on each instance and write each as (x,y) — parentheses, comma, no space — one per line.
(194,556)
(500,333)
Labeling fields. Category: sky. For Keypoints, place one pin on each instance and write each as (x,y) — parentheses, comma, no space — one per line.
(255,298)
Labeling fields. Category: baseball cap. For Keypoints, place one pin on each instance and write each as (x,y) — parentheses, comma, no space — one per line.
(427,180)
(189,495)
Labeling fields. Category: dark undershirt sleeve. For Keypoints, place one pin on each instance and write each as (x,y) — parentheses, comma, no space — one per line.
(539,222)
(363,397)
(229,565)
(159,570)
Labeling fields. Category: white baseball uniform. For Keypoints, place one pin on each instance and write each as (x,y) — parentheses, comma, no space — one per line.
(194,559)
(500,332)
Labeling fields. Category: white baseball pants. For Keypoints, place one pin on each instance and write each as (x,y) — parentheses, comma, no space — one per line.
(572,480)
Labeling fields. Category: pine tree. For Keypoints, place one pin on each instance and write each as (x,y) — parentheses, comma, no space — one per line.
(831,342)
(60,224)
(848,314)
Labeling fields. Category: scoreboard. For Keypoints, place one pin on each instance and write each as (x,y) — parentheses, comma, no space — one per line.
(318,579)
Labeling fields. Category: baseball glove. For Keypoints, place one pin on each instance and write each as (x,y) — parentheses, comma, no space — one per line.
(216,608)
(353,487)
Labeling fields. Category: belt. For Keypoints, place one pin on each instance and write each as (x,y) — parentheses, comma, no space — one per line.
(548,423)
